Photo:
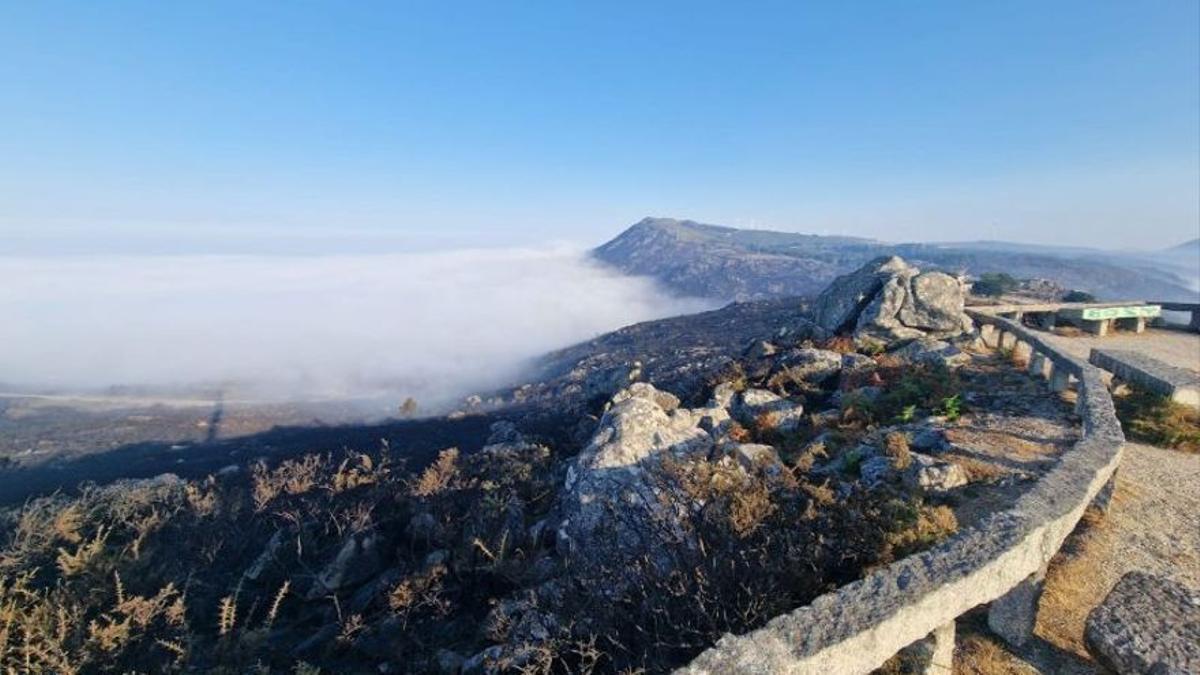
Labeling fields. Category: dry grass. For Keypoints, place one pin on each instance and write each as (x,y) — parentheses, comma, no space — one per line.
(1073,586)
(977,654)
(978,471)
(1159,421)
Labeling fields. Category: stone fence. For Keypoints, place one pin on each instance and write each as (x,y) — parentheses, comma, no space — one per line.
(1187,307)
(1001,561)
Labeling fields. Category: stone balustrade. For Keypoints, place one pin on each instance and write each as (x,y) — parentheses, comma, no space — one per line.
(1000,562)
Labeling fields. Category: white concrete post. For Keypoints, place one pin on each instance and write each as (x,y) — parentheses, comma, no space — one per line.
(1060,379)
(1037,365)
(987,333)
(1021,350)
(942,661)
(1013,616)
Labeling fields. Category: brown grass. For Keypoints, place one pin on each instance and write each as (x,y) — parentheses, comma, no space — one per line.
(1074,586)
(977,654)
(1159,421)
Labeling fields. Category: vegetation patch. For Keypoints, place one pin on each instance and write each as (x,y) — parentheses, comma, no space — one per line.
(1157,420)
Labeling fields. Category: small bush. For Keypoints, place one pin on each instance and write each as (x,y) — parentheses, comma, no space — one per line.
(994,284)
(1078,296)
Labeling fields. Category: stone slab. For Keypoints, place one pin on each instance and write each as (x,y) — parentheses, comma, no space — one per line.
(1178,384)
(1147,624)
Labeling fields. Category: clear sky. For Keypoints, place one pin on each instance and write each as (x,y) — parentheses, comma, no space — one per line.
(443,123)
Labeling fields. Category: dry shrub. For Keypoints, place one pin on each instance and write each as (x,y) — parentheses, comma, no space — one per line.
(978,471)
(895,447)
(920,527)
(420,591)
(357,470)
(439,475)
(739,433)
(842,344)
(291,477)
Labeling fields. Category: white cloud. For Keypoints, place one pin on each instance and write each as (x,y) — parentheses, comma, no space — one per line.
(435,325)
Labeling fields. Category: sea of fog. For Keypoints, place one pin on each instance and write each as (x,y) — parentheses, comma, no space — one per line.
(430,325)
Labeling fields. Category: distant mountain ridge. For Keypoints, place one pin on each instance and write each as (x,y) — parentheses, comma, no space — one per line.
(713,261)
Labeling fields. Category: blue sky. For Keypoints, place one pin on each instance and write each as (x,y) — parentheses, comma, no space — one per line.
(448,123)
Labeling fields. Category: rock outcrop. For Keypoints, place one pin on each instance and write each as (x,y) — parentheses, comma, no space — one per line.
(611,505)
(888,299)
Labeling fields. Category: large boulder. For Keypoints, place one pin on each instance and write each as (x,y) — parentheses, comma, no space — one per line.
(612,507)
(889,299)
(838,306)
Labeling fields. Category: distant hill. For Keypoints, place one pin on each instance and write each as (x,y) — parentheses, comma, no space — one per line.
(730,264)
(1192,247)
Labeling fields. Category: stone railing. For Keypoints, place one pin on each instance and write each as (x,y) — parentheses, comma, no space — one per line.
(1187,307)
(1001,561)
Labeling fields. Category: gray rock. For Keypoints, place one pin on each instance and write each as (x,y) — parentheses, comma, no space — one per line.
(875,470)
(722,396)
(612,476)
(760,349)
(887,299)
(269,554)
(839,305)
(448,662)
(751,454)
(359,559)
(753,404)
(933,352)
(486,661)
(504,432)
(1147,624)
(813,365)
(928,439)
(934,303)
(933,475)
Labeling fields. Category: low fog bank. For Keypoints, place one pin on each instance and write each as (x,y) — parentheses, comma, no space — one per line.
(434,326)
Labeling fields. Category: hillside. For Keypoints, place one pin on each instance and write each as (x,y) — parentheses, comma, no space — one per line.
(706,260)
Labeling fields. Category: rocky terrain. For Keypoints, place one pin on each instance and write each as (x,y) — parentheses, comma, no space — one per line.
(727,263)
(658,488)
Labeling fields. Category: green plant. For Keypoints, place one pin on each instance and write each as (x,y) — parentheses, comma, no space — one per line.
(907,413)
(951,407)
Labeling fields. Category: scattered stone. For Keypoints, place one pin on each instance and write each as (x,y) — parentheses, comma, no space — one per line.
(1147,624)
(813,365)
(269,554)
(933,352)
(753,404)
(486,661)
(760,349)
(751,454)
(875,470)
(928,439)
(504,432)
(448,662)
(722,396)
(933,475)
(358,560)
